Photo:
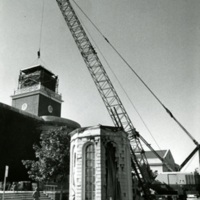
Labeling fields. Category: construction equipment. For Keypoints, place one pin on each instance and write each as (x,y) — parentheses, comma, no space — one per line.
(112,101)
(109,95)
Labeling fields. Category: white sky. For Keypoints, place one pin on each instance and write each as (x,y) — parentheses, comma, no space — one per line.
(160,39)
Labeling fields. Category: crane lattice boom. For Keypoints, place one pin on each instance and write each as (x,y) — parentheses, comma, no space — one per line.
(108,93)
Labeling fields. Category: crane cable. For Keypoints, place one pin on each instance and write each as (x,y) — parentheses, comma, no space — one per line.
(160,102)
(40,39)
(147,128)
(41,28)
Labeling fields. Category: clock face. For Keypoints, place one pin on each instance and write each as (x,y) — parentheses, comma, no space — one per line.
(50,109)
(24,106)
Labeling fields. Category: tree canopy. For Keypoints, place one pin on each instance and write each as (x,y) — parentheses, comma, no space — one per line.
(52,156)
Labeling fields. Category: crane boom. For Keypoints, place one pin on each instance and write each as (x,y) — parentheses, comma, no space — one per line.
(109,95)
(99,75)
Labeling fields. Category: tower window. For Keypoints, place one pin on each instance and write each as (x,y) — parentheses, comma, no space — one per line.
(90,172)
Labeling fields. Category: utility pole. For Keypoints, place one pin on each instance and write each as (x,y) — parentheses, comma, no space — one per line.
(4,183)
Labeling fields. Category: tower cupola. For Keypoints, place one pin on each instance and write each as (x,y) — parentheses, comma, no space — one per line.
(37,92)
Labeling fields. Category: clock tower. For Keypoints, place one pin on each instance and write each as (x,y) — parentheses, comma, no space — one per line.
(37,92)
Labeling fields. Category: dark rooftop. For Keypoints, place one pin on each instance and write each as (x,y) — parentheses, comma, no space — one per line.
(35,68)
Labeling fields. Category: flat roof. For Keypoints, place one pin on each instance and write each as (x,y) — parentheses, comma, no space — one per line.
(34,68)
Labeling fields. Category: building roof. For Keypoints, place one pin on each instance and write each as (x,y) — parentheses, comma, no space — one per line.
(99,126)
(7,110)
(61,121)
(35,68)
(161,153)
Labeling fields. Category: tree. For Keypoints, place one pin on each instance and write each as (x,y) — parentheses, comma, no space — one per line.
(52,157)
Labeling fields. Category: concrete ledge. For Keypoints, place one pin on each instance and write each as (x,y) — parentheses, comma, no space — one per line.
(60,121)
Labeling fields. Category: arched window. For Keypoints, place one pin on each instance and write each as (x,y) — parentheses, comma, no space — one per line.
(73,166)
(89,172)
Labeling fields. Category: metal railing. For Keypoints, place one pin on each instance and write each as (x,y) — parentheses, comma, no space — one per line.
(38,87)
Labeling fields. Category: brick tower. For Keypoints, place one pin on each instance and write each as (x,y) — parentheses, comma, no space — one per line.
(100,165)
(37,92)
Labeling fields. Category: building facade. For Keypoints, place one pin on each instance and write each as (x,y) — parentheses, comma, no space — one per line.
(100,166)
(37,92)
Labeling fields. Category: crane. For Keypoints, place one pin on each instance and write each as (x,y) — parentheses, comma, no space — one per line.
(109,96)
